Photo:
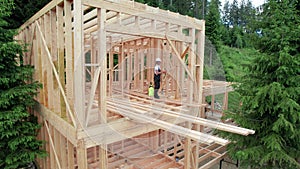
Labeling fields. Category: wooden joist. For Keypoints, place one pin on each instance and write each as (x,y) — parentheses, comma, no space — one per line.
(201,137)
(181,115)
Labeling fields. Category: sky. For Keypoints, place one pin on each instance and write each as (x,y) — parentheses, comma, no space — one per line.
(254,2)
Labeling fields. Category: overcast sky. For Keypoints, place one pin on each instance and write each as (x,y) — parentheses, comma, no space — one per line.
(254,2)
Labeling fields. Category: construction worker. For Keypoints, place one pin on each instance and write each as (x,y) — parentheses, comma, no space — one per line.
(157,73)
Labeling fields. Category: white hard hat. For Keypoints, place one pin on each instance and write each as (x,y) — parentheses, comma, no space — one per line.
(158,60)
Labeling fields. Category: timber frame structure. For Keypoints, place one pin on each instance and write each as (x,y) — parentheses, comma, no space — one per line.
(95,59)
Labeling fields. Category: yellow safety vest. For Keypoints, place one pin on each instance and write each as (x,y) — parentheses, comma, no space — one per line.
(151,91)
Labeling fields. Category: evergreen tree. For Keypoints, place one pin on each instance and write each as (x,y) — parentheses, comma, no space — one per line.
(213,23)
(234,13)
(271,94)
(23,10)
(225,29)
(18,129)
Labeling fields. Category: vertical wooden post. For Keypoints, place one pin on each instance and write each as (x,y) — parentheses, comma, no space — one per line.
(54,30)
(48,37)
(61,56)
(44,67)
(225,102)
(69,54)
(70,155)
(102,57)
(57,145)
(81,155)
(188,145)
(111,67)
(64,152)
(122,67)
(142,67)
(101,16)
(79,73)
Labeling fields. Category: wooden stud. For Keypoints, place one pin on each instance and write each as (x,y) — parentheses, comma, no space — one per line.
(103,62)
(81,155)
(79,71)
(63,151)
(70,155)
(69,57)
(111,66)
(101,14)
(61,57)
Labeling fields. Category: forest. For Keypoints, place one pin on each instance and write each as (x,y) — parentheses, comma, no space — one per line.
(258,49)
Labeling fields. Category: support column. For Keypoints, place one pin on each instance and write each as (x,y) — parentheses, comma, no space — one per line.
(69,57)
(79,73)
(101,16)
(188,160)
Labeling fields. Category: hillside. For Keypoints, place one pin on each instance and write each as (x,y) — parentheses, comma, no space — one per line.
(233,61)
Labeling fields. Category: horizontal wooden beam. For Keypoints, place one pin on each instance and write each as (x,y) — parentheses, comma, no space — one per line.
(144,11)
(114,131)
(185,117)
(214,90)
(173,128)
(66,129)
(147,32)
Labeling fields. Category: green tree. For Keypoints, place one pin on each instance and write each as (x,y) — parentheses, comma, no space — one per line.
(213,23)
(23,10)
(270,94)
(18,129)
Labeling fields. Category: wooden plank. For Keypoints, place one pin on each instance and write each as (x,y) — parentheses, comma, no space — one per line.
(48,38)
(56,141)
(188,161)
(196,120)
(61,57)
(145,11)
(81,155)
(145,32)
(101,16)
(185,52)
(53,50)
(103,156)
(103,62)
(64,153)
(61,125)
(111,65)
(70,147)
(47,146)
(79,71)
(69,57)
(51,152)
(185,132)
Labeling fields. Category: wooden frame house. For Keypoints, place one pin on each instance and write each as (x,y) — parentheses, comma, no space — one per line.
(95,59)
